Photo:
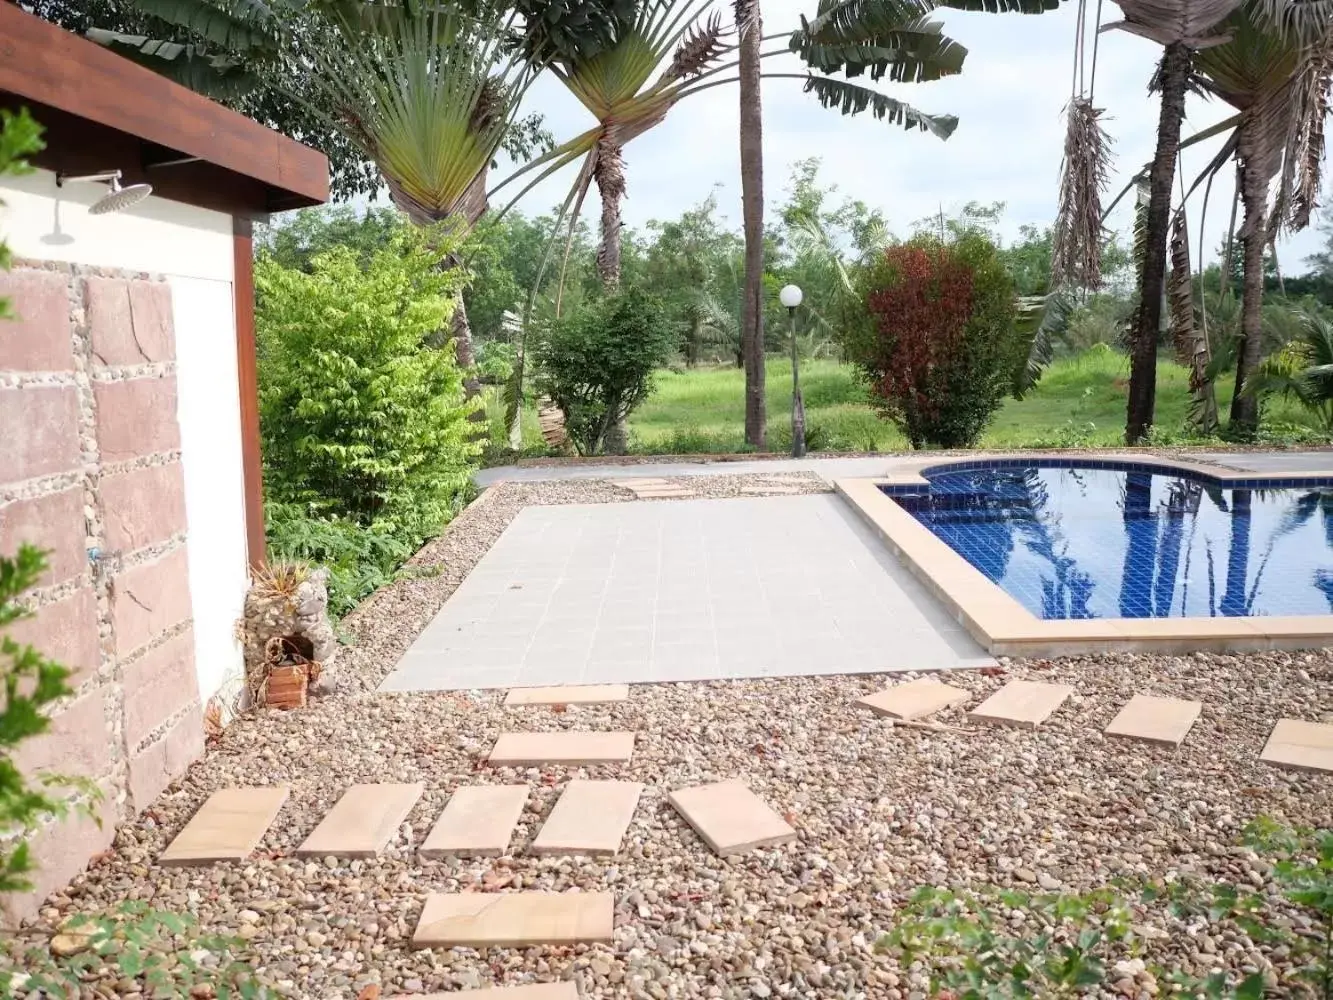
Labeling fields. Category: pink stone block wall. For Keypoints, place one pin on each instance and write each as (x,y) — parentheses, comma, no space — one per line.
(92,473)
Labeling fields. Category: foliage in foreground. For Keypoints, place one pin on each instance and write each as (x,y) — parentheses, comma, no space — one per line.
(160,952)
(938,344)
(368,448)
(31,682)
(998,944)
(597,362)
(1302,370)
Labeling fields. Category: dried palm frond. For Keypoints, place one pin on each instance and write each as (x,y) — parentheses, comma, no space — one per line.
(1303,155)
(747,14)
(1076,254)
(699,47)
(1191,343)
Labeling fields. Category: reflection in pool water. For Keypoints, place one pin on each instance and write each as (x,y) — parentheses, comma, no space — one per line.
(1080,542)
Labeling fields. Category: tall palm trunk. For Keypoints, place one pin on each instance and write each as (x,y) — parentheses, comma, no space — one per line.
(752,202)
(1254,177)
(1175,72)
(609,173)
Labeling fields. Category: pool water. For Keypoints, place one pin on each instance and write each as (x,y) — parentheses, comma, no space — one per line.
(1082,541)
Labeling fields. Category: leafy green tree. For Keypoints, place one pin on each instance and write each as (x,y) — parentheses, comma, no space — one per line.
(296,239)
(597,362)
(361,417)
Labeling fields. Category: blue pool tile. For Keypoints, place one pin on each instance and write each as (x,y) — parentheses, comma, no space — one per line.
(1118,539)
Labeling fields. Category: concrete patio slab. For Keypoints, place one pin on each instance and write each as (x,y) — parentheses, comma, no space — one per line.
(1156,720)
(227,827)
(514,920)
(575,748)
(362,822)
(687,590)
(590,817)
(569,694)
(1301,746)
(915,699)
(1316,463)
(1025,704)
(730,818)
(479,821)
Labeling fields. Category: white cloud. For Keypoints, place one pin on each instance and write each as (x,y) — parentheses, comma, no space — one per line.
(1009,100)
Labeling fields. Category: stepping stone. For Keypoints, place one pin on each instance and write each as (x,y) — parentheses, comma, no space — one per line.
(730,818)
(914,699)
(1301,746)
(573,694)
(1025,704)
(227,827)
(631,484)
(766,491)
(1156,720)
(591,817)
(535,749)
(662,494)
(362,822)
(479,821)
(539,991)
(514,920)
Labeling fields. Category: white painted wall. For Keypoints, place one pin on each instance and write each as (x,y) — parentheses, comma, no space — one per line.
(193,248)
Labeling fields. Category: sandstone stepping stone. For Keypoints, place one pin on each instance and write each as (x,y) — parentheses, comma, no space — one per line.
(479,820)
(362,822)
(914,699)
(1302,746)
(630,484)
(572,694)
(537,991)
(1156,720)
(227,827)
(591,817)
(514,920)
(730,818)
(1026,704)
(662,494)
(535,749)
(766,490)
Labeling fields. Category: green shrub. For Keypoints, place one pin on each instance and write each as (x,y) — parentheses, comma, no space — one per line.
(937,342)
(362,417)
(597,362)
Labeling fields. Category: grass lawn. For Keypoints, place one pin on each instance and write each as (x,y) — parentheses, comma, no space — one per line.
(1080,402)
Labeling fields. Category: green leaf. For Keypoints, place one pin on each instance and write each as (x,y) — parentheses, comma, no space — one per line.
(852,99)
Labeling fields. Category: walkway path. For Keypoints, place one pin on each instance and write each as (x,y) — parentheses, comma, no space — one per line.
(1314,462)
(683,590)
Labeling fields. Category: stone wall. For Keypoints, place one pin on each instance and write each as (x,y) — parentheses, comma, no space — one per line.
(91,471)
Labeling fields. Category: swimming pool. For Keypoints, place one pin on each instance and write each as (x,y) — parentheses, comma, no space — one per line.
(1071,540)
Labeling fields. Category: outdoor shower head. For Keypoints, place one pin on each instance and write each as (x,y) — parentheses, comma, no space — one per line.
(117,199)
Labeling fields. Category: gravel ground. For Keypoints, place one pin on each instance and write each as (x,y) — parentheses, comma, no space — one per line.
(880,811)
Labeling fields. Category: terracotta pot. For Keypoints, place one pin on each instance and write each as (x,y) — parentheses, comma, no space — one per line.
(286,687)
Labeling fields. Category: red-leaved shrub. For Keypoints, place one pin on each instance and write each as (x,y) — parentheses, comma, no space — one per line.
(937,340)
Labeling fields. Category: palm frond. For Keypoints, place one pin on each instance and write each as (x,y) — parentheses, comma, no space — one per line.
(1043,318)
(1196,23)
(1076,252)
(700,47)
(1003,6)
(852,99)
(912,51)
(213,75)
(233,25)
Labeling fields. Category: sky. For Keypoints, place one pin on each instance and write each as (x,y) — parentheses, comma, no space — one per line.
(1009,99)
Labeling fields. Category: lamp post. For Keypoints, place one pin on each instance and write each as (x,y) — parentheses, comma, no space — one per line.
(791,296)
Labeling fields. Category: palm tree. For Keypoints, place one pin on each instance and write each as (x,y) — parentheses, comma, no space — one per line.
(750,26)
(1182,28)
(1275,70)
(425,91)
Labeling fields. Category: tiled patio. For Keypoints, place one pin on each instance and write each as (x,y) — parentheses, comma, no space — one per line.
(683,590)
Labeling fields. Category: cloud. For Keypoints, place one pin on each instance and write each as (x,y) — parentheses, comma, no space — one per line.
(1009,100)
